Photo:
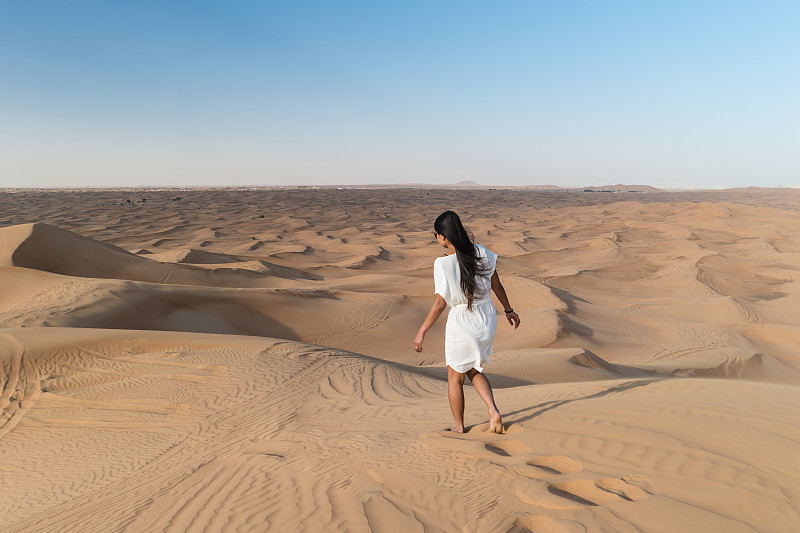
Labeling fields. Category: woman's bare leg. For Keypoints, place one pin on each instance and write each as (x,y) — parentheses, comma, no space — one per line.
(455,393)
(484,390)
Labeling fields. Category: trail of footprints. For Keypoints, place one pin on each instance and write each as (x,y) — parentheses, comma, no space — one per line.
(556,482)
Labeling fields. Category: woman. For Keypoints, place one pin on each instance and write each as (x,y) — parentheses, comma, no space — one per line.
(462,279)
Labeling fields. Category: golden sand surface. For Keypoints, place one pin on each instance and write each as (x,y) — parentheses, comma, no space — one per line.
(242,360)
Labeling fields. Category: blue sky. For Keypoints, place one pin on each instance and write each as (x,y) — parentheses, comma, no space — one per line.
(673,94)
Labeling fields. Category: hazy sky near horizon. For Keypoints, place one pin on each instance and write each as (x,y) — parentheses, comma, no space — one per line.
(674,94)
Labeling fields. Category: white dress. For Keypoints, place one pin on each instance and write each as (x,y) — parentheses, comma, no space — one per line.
(469,334)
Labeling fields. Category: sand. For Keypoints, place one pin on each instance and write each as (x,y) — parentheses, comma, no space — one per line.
(242,360)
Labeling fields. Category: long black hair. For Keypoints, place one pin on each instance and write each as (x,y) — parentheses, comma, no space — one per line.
(449,225)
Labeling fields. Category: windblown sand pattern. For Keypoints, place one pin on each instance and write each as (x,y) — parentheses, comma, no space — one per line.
(239,360)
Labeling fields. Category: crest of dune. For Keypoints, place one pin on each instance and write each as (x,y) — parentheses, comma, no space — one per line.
(44,247)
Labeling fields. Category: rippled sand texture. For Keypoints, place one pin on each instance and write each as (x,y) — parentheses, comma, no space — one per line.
(239,360)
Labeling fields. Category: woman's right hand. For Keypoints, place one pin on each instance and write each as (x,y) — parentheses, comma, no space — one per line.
(513,319)
(418,341)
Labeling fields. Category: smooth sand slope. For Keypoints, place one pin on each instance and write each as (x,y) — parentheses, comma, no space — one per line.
(242,361)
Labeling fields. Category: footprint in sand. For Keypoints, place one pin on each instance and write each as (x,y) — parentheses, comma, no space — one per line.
(583,491)
(508,448)
(642,482)
(621,488)
(603,491)
(577,491)
(564,493)
(580,491)
(545,466)
(557,464)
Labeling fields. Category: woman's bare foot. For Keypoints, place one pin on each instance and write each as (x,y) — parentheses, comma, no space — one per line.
(495,423)
(456,429)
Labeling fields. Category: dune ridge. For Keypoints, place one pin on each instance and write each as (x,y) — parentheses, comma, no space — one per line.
(241,361)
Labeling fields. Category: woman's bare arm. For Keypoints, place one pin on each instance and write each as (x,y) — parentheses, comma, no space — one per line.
(433,315)
(500,292)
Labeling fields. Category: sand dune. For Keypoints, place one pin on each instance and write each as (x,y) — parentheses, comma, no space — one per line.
(51,249)
(241,361)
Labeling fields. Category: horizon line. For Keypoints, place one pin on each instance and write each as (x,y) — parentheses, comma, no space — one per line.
(463,185)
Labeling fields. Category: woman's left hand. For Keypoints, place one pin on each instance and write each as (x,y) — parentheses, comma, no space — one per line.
(513,319)
(418,341)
